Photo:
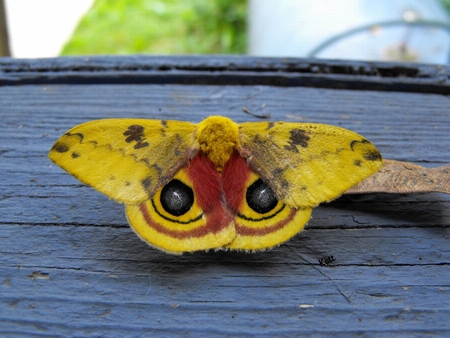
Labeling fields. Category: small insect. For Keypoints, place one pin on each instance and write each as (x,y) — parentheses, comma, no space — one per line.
(327,260)
(217,184)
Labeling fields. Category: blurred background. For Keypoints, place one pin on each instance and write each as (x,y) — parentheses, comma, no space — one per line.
(385,30)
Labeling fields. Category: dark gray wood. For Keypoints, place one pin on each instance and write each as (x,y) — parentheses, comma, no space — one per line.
(71,266)
(229,70)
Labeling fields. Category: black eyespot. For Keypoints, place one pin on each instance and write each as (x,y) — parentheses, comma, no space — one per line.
(177,198)
(260,197)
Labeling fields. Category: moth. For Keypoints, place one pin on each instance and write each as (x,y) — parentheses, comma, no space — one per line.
(217,184)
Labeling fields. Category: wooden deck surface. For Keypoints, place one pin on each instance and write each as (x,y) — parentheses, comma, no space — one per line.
(71,266)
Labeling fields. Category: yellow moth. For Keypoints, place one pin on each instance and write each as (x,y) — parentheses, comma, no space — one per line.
(217,184)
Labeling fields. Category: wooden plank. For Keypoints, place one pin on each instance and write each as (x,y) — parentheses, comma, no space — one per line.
(229,70)
(121,280)
(405,126)
(70,265)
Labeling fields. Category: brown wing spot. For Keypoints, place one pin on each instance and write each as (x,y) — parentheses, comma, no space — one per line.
(355,142)
(141,145)
(298,138)
(372,155)
(277,174)
(61,147)
(75,155)
(358,163)
(136,133)
(158,169)
(178,138)
(164,123)
(68,140)
(262,144)
(284,184)
(146,182)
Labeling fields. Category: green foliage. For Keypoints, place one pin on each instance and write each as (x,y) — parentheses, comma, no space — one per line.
(446,4)
(161,27)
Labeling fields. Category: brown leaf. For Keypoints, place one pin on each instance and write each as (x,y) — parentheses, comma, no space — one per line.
(398,177)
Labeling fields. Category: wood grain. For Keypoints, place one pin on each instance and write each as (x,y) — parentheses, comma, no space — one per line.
(71,266)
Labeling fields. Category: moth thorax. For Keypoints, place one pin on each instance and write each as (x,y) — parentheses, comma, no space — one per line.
(218,137)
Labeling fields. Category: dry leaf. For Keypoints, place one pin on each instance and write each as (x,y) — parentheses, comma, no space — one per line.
(398,177)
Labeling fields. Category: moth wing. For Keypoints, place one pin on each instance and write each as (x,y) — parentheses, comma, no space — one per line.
(126,159)
(188,214)
(306,164)
(261,220)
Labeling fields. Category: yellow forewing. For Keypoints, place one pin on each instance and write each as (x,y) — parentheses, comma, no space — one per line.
(126,159)
(307,164)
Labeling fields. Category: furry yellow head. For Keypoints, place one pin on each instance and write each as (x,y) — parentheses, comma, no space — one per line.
(218,137)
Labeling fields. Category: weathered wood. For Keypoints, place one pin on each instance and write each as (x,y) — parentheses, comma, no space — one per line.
(70,265)
(229,70)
